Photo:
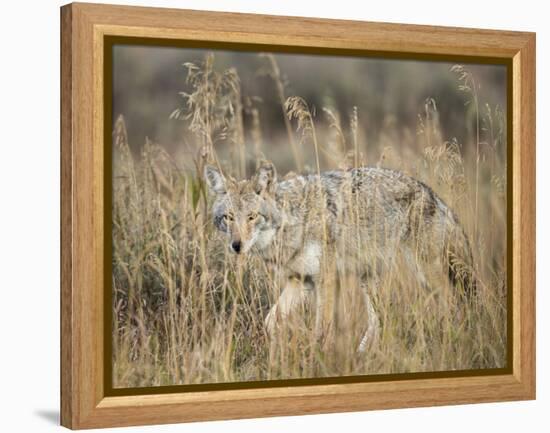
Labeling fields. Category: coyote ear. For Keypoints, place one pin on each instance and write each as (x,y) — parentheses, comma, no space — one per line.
(214,179)
(266,177)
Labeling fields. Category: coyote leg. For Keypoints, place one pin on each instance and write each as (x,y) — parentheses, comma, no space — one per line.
(318,313)
(373,324)
(415,266)
(292,297)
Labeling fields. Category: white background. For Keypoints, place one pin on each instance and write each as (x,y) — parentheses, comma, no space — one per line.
(29,215)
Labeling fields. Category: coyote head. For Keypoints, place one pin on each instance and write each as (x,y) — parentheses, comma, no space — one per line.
(245,210)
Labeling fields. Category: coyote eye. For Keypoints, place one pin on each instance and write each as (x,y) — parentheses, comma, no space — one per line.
(228,217)
(252,216)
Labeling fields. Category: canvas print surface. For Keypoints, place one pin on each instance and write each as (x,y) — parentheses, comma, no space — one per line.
(283,216)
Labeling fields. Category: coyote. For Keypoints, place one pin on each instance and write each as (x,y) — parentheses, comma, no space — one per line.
(361,217)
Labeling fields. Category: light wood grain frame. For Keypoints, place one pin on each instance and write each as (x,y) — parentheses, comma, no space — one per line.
(83,400)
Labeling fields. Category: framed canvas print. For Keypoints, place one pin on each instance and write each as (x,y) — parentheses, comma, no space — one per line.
(269,216)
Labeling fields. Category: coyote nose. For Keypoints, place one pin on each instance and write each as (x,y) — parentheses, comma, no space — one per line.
(236,245)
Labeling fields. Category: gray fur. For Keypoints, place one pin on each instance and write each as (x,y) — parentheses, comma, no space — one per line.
(364,216)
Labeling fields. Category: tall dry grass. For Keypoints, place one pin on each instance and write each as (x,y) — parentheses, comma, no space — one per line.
(185,310)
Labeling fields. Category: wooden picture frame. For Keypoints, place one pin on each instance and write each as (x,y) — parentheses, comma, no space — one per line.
(84,400)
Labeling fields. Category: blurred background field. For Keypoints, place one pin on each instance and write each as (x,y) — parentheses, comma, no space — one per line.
(389,96)
(186,311)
